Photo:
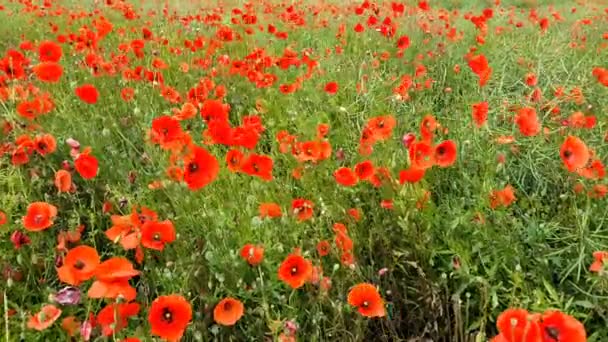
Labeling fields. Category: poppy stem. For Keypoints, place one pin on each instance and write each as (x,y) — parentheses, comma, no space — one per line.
(264,303)
(7,335)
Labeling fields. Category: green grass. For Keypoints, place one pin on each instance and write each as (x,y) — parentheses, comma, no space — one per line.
(534,254)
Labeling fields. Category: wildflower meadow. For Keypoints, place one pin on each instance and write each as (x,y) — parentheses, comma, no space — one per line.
(304,170)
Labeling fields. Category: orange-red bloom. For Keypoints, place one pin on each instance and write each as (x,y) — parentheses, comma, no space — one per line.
(504,197)
(113,317)
(39,216)
(169,316)
(269,210)
(48,72)
(45,318)
(366,298)
(112,280)
(445,154)
(155,235)
(200,169)
(63,181)
(79,265)
(346,177)
(600,259)
(252,254)
(302,208)
(228,311)
(86,165)
(295,270)
(574,153)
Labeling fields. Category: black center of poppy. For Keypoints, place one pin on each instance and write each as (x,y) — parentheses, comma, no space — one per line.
(79,265)
(192,167)
(42,146)
(165,131)
(365,304)
(256,168)
(294,270)
(142,218)
(167,315)
(553,333)
(156,237)
(567,153)
(227,306)
(381,124)
(440,150)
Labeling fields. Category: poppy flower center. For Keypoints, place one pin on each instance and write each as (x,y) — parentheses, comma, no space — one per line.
(38,219)
(167,315)
(79,265)
(365,304)
(294,270)
(567,153)
(381,124)
(164,131)
(156,237)
(553,333)
(256,168)
(441,150)
(192,167)
(227,306)
(42,146)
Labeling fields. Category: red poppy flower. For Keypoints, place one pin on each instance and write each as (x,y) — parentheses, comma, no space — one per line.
(527,121)
(86,165)
(49,51)
(445,154)
(480,113)
(364,170)
(63,181)
(382,126)
(346,177)
(113,317)
(113,280)
(234,160)
(366,298)
(331,88)
(166,131)
(45,318)
(48,72)
(403,42)
(600,258)
(252,254)
(213,110)
(411,175)
(200,169)
(479,65)
(228,311)
(45,144)
(259,166)
(2,218)
(79,265)
(574,153)
(302,208)
(87,93)
(295,271)
(155,235)
(504,197)
(518,325)
(39,216)
(323,248)
(269,210)
(558,326)
(421,155)
(169,316)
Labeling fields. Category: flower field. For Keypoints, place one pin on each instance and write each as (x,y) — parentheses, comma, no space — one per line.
(307,170)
